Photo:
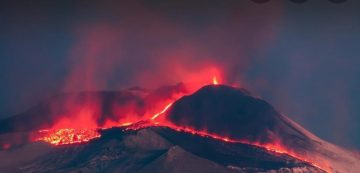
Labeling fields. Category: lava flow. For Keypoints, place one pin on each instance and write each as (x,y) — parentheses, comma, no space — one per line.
(70,135)
(161,112)
(276,148)
(61,136)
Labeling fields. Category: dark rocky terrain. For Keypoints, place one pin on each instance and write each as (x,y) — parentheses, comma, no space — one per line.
(154,149)
(218,109)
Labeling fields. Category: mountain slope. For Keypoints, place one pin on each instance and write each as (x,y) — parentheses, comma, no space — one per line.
(233,112)
(158,149)
(218,128)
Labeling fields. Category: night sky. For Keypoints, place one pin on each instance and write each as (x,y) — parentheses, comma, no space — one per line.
(302,58)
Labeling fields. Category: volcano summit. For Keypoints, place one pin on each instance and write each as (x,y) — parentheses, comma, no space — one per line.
(218,128)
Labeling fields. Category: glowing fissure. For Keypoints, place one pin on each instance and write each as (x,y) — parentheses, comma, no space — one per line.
(71,136)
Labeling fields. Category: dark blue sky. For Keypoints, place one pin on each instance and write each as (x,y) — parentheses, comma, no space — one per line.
(302,58)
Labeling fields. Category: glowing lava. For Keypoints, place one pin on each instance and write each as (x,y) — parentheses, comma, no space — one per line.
(215,81)
(68,136)
(71,136)
(275,148)
(161,112)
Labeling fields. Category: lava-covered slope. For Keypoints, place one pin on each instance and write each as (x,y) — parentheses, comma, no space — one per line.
(154,149)
(217,128)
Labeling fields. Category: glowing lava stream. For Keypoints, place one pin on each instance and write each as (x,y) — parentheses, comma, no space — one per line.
(268,147)
(68,136)
(161,112)
(64,136)
(71,136)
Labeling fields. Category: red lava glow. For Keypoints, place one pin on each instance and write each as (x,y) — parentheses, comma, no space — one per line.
(126,124)
(215,81)
(161,112)
(68,136)
(64,136)
(72,136)
(275,148)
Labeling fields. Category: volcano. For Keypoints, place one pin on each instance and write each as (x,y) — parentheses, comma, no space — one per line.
(217,128)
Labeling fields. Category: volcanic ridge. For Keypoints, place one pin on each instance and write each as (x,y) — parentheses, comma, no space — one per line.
(218,128)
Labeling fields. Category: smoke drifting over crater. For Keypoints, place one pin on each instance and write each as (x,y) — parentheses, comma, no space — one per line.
(281,51)
(149,45)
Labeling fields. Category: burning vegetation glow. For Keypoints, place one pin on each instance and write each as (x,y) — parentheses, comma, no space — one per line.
(62,136)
